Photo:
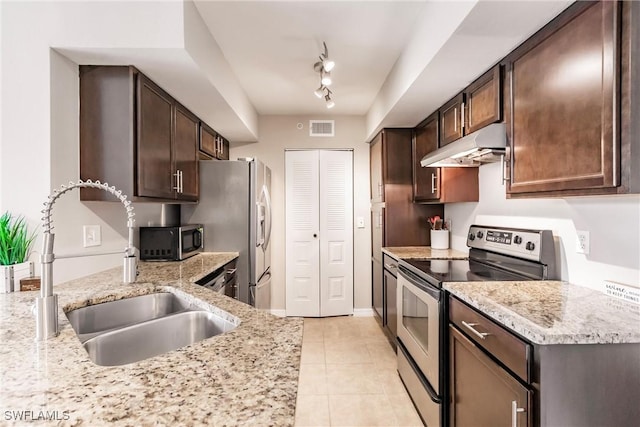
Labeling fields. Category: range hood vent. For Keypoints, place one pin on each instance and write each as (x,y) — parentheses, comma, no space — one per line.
(486,145)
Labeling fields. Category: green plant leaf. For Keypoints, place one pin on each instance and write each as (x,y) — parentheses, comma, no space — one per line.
(15,239)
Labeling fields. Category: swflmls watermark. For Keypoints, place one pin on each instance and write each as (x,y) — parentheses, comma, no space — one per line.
(40,415)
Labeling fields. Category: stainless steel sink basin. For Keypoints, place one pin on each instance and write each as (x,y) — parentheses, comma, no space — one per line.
(133,329)
(151,338)
(94,319)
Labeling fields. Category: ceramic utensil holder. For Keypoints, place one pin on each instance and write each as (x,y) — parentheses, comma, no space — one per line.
(439,239)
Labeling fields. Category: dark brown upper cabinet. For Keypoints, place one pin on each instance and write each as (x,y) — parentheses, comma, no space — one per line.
(212,144)
(483,101)
(452,120)
(564,100)
(439,185)
(477,106)
(376,168)
(136,137)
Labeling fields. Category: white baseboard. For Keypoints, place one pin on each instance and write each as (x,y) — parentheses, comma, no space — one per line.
(279,313)
(362,312)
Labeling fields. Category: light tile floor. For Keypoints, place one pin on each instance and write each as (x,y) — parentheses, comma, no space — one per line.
(348,376)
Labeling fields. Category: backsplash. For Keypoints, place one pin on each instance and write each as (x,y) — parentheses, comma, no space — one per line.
(613,223)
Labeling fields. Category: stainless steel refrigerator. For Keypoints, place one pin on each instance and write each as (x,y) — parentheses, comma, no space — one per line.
(235,209)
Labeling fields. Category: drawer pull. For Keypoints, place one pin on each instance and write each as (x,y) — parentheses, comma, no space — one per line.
(390,266)
(470,326)
(514,413)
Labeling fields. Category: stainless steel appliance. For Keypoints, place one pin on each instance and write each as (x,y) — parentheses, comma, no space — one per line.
(170,243)
(235,209)
(497,253)
(222,280)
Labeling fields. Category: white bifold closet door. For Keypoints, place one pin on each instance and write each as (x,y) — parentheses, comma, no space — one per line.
(319,232)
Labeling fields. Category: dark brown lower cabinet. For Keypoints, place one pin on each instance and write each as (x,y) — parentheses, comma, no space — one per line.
(483,394)
(377,289)
(390,285)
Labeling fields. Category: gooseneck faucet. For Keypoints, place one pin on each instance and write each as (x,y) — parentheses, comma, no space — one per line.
(47,302)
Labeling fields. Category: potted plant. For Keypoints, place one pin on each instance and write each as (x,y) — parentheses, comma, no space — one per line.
(15,246)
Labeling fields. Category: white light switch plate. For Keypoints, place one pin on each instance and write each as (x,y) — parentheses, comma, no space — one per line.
(91,235)
(360,222)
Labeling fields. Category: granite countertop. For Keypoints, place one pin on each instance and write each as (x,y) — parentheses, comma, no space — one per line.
(423,252)
(248,376)
(553,312)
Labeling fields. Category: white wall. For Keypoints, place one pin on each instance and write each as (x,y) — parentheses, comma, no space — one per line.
(39,134)
(278,133)
(612,221)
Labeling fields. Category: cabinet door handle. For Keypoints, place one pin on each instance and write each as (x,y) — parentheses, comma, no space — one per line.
(462,118)
(514,413)
(177,175)
(470,326)
(433,182)
(379,189)
(390,267)
(181,182)
(455,119)
(504,169)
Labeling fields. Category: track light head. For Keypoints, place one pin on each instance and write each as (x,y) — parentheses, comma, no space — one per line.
(328,64)
(319,92)
(330,103)
(326,79)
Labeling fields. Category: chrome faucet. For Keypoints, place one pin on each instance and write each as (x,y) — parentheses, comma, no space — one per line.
(47,302)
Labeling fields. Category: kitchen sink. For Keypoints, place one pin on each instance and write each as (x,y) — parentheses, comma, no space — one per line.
(94,319)
(133,329)
(151,338)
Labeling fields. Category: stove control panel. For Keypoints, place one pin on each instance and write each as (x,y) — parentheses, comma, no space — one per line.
(522,243)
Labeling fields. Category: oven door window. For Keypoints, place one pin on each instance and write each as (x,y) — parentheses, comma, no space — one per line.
(415,318)
(419,327)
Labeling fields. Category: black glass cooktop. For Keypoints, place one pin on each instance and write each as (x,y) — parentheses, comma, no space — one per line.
(438,271)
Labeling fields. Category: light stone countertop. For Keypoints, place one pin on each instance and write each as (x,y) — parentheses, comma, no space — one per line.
(553,312)
(424,252)
(248,376)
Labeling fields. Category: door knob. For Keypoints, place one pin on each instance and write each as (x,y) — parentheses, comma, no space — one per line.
(315,235)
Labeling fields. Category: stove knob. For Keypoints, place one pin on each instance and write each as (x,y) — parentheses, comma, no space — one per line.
(480,234)
(530,246)
(517,240)
(472,236)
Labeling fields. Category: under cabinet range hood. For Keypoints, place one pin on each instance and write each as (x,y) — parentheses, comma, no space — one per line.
(485,145)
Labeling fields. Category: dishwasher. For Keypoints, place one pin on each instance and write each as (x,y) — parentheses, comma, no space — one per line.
(222,280)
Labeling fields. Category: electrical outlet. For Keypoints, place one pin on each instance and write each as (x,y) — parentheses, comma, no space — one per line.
(582,242)
(91,235)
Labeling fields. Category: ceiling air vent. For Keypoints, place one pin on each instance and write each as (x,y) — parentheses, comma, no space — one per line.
(321,128)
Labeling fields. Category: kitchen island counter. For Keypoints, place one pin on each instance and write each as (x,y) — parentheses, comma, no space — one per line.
(248,376)
(553,312)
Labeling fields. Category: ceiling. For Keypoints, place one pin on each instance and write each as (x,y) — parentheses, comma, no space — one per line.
(231,61)
(271,47)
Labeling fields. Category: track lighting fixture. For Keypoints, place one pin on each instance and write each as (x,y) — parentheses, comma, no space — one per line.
(324,67)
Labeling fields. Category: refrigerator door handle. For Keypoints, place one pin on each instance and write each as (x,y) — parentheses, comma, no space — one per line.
(267,200)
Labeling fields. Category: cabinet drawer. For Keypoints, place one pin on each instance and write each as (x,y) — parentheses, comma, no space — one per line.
(513,352)
(390,264)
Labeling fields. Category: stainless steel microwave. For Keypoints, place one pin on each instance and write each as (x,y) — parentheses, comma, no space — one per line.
(171,243)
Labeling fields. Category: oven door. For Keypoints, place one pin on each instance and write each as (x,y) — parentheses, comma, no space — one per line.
(419,324)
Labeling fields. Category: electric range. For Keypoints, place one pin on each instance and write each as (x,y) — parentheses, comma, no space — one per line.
(496,254)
